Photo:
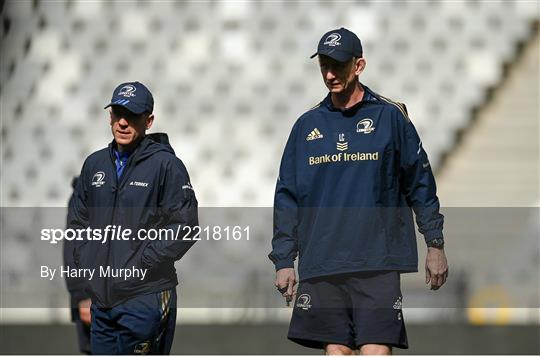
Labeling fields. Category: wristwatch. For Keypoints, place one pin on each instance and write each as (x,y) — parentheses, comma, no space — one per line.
(436,243)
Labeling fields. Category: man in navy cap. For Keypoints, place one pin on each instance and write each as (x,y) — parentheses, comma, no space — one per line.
(352,173)
(135,185)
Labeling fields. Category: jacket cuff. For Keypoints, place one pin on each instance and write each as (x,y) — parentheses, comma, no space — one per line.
(284,263)
(433,234)
(78,295)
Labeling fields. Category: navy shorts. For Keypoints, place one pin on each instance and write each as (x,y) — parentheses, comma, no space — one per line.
(349,309)
(142,325)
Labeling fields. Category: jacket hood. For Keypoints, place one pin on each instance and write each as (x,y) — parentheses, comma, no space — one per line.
(162,139)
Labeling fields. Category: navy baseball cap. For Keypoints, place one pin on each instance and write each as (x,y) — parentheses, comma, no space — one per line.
(341,45)
(133,96)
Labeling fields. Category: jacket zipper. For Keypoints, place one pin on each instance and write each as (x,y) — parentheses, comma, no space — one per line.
(113,162)
(119,184)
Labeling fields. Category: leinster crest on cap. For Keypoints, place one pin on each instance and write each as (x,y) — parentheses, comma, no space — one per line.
(333,40)
(127,91)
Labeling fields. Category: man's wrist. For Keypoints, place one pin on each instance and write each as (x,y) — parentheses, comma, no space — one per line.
(282,264)
(436,243)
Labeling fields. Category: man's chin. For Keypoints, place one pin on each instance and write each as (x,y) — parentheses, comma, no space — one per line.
(338,88)
(123,141)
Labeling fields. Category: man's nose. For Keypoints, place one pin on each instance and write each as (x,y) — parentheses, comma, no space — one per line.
(329,75)
(123,122)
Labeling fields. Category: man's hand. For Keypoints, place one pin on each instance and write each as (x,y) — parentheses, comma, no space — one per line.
(436,267)
(285,282)
(84,311)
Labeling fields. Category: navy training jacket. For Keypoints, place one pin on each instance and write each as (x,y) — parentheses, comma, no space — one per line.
(153,192)
(347,182)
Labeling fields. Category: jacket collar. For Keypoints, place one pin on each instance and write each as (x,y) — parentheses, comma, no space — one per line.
(149,145)
(369,96)
(143,143)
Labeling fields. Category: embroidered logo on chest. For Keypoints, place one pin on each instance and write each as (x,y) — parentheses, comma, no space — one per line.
(365,126)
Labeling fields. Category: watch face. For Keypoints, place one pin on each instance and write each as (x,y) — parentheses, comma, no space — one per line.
(437,243)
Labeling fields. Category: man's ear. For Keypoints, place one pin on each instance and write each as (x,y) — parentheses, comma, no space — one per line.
(359,66)
(149,121)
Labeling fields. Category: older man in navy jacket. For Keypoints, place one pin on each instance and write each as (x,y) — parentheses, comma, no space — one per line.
(352,172)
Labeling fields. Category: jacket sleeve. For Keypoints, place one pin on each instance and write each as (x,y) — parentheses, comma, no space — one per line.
(177,211)
(77,218)
(285,239)
(417,181)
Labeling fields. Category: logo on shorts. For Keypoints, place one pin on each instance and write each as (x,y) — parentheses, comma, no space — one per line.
(333,40)
(398,304)
(303,302)
(97,179)
(365,126)
(127,91)
(142,348)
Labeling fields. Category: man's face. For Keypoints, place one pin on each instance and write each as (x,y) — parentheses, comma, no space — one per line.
(127,127)
(340,76)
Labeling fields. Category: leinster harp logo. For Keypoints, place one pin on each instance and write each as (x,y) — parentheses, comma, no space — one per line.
(127,91)
(333,40)
(98,179)
(303,302)
(365,126)
(342,145)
